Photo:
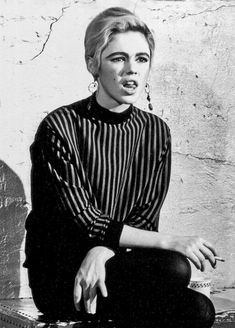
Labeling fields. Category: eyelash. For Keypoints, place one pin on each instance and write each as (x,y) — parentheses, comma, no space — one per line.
(118,59)
(143,59)
(139,59)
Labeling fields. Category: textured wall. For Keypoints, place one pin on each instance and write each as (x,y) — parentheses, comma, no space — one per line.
(12,218)
(193,88)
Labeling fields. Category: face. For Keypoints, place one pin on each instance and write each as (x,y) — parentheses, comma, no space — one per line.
(124,69)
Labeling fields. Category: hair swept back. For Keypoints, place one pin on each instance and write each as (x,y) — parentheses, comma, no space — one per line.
(106,24)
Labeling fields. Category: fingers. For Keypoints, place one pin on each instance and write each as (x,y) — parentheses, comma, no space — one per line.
(195,260)
(93,305)
(201,260)
(81,289)
(77,294)
(211,248)
(209,255)
(203,250)
(89,293)
(90,296)
(90,305)
(93,300)
(209,252)
(103,288)
(86,298)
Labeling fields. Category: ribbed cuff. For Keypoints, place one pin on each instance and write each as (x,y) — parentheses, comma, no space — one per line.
(113,234)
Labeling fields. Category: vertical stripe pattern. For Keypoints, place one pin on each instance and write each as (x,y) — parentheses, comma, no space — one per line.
(101,172)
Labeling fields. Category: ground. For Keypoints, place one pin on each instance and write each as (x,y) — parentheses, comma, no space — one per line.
(23,314)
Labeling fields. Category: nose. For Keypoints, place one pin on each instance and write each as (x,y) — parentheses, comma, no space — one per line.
(131,67)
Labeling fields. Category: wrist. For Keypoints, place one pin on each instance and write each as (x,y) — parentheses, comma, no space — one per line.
(163,241)
(102,252)
(107,253)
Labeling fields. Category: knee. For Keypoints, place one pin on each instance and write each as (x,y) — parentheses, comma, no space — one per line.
(179,268)
(164,265)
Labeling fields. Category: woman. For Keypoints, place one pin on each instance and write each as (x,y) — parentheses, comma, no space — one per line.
(100,174)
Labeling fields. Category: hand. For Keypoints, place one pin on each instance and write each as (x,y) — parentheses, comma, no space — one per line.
(90,276)
(196,249)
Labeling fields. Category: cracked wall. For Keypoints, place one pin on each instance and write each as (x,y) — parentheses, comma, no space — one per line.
(192,82)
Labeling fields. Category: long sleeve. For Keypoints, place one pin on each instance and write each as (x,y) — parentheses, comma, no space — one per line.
(55,158)
(146,211)
(94,171)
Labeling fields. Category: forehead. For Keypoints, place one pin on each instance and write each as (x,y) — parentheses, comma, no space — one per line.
(130,42)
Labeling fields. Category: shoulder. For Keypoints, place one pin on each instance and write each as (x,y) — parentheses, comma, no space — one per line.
(153,122)
(61,120)
(67,112)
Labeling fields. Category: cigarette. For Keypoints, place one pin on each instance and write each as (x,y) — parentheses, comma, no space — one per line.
(217,258)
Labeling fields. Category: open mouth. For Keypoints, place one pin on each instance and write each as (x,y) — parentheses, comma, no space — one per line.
(130,86)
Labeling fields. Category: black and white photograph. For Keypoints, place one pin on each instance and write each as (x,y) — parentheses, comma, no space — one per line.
(117,163)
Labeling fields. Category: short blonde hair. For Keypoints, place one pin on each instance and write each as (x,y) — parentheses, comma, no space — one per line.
(105,25)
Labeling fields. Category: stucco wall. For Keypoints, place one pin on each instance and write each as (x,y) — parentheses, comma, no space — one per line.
(193,89)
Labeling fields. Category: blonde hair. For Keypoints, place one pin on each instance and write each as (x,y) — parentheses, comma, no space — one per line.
(105,25)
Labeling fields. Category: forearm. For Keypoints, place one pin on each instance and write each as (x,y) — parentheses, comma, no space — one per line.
(194,248)
(134,237)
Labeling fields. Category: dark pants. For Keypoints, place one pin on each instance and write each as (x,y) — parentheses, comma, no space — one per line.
(146,288)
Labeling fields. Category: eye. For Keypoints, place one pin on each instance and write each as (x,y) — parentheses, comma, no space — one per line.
(142,59)
(118,59)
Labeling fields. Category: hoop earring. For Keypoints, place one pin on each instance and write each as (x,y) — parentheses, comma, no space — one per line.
(92,87)
(147,90)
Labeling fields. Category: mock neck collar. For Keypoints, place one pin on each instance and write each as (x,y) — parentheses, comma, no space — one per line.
(103,114)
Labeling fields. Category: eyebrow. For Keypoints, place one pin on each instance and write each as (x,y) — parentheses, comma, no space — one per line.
(126,54)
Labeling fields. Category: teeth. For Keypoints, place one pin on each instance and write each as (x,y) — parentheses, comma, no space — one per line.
(130,83)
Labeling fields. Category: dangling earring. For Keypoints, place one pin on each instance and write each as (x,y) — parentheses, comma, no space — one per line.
(147,90)
(92,87)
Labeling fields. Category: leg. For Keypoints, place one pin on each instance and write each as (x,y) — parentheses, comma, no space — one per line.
(191,309)
(148,287)
(51,276)
(145,287)
(52,296)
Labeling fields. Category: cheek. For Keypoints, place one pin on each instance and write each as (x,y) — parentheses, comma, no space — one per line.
(147,71)
(111,78)
(110,75)
(145,76)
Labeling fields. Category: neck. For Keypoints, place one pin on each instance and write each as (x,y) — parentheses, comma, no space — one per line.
(112,106)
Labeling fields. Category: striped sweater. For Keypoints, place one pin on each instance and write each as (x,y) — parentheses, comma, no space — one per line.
(99,170)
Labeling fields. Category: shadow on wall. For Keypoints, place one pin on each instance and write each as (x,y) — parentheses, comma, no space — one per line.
(12,219)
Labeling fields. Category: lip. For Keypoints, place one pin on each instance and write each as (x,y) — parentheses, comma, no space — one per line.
(130,81)
(129,86)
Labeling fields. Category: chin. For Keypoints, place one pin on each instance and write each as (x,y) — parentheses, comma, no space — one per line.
(130,99)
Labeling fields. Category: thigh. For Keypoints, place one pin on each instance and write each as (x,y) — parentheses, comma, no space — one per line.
(149,267)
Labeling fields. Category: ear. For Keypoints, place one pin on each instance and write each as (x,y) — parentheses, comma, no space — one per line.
(91,66)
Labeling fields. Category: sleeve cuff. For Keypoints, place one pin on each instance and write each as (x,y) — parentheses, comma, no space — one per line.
(113,234)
